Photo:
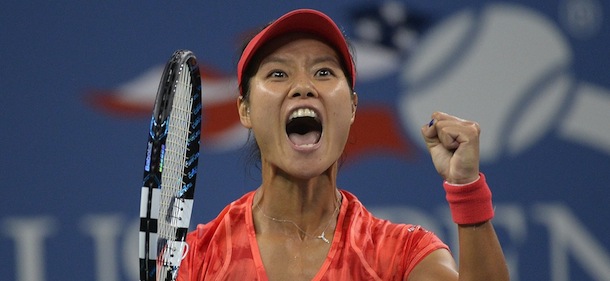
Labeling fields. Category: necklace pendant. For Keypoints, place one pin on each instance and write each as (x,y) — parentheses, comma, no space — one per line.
(321,236)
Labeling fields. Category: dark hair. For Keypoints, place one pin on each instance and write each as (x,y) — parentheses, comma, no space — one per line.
(251,151)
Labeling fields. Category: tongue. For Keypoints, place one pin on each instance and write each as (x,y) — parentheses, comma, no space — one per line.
(309,138)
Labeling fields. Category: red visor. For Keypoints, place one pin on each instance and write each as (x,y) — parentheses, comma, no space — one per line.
(302,20)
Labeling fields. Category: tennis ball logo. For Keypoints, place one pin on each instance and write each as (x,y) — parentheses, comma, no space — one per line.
(504,66)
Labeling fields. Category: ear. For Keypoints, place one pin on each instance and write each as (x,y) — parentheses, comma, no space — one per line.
(244,112)
(354,106)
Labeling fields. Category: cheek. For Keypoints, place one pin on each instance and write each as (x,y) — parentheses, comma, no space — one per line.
(264,114)
(262,121)
(343,119)
(265,97)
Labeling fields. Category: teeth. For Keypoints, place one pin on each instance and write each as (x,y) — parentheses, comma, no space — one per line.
(303,112)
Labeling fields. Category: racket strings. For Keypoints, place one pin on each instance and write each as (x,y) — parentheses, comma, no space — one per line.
(171,206)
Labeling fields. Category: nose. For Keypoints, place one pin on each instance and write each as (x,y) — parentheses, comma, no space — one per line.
(303,87)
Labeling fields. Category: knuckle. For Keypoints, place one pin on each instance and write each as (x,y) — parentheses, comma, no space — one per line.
(476,127)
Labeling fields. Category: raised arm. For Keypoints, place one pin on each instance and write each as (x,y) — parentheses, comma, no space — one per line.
(453,144)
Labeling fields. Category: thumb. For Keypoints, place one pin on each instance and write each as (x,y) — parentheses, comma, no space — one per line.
(430,134)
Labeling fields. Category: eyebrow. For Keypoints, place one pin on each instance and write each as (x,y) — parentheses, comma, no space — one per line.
(327,58)
(272,59)
(316,60)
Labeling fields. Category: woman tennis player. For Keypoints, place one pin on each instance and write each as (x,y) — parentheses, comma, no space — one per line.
(296,80)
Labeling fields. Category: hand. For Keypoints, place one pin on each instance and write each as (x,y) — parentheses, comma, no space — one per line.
(453,144)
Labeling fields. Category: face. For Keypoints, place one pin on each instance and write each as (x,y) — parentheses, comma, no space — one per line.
(300,106)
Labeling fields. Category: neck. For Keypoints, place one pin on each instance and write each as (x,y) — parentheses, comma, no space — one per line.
(308,203)
(288,195)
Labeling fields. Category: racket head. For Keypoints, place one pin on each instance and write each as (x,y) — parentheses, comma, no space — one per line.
(170,169)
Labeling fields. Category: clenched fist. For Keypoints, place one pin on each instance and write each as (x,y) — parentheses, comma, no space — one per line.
(453,144)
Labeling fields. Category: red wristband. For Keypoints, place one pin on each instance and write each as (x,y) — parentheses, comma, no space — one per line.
(470,203)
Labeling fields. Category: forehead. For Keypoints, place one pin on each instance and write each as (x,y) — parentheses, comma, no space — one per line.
(295,43)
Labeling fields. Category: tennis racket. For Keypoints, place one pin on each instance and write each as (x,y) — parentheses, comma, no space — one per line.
(170,169)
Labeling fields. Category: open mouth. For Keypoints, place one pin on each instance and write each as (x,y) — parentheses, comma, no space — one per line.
(304,127)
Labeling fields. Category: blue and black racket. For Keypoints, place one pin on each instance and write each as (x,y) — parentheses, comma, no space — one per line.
(170,169)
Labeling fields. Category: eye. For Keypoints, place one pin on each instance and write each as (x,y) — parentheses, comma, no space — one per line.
(277,74)
(324,72)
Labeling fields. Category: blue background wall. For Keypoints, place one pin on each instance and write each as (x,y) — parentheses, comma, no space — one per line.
(533,73)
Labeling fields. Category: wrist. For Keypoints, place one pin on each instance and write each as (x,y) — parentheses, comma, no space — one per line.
(464,182)
(470,203)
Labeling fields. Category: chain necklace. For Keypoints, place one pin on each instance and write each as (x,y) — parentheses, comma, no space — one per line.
(322,236)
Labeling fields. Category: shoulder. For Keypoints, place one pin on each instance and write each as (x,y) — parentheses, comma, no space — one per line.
(211,239)
(233,214)
(407,244)
(357,215)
